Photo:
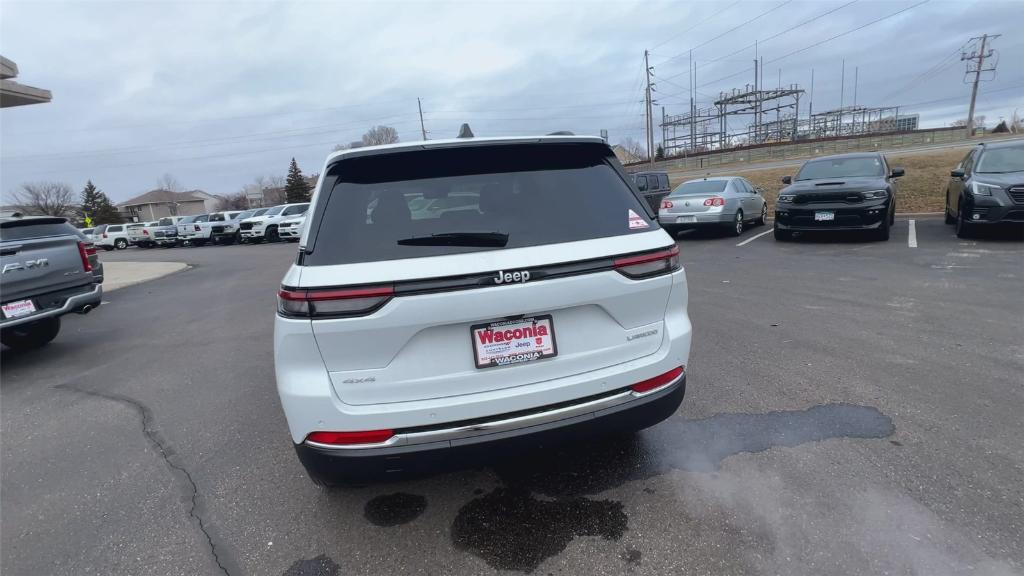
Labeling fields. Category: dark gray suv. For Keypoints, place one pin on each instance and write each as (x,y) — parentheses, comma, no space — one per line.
(987,187)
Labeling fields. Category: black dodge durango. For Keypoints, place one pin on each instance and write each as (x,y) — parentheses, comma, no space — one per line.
(841,192)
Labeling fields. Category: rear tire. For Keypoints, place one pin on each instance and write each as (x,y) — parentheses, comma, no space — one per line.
(764,215)
(782,235)
(737,224)
(120,243)
(31,335)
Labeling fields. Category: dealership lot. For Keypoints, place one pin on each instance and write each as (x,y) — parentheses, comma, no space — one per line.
(853,407)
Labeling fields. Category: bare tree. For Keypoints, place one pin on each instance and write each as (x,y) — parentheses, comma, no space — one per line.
(979,122)
(380,135)
(636,149)
(236,201)
(168,182)
(46,199)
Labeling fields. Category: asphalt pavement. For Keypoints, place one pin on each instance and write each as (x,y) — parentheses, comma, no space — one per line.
(853,407)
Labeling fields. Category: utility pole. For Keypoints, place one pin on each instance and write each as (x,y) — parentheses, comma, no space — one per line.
(810,104)
(693,104)
(842,92)
(650,103)
(978,56)
(423,128)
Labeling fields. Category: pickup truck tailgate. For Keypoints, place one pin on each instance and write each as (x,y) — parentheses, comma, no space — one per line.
(31,266)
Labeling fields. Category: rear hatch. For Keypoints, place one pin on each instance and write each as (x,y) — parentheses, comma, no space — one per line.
(39,255)
(690,197)
(470,269)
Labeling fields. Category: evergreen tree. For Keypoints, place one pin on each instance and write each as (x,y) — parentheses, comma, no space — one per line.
(659,153)
(295,187)
(97,206)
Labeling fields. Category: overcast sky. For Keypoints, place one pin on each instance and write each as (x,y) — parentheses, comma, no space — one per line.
(217,93)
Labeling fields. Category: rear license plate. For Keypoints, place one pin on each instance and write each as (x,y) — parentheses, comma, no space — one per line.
(19,308)
(513,341)
(686,220)
(824,216)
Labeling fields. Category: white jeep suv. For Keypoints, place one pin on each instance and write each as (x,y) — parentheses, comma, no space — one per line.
(457,297)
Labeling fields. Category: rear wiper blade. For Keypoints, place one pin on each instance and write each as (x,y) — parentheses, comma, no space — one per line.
(484,239)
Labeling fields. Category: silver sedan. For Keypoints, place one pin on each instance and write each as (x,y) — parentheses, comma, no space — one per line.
(727,202)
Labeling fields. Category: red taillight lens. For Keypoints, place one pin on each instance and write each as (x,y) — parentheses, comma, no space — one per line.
(666,204)
(715,201)
(350,438)
(658,381)
(145,232)
(333,302)
(104,234)
(85,257)
(650,264)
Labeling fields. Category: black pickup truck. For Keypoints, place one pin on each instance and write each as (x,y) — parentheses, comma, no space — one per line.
(46,271)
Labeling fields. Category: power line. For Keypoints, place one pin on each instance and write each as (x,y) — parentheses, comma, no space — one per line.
(819,43)
(729,31)
(699,22)
(219,141)
(776,35)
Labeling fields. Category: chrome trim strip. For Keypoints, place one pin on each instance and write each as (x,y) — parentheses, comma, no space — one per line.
(506,424)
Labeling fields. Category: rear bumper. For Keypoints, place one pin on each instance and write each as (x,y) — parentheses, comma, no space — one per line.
(91,296)
(701,218)
(802,217)
(355,465)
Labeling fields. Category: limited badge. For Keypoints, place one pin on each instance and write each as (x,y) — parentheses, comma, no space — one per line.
(635,221)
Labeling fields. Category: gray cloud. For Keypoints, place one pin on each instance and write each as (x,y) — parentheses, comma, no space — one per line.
(217,93)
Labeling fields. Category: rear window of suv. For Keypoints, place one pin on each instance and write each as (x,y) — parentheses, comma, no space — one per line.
(466,199)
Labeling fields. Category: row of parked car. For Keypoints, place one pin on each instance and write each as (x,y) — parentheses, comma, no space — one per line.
(271,224)
(844,192)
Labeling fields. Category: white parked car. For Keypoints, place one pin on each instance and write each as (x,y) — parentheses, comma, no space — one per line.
(217,227)
(265,226)
(113,236)
(442,304)
(137,234)
(291,228)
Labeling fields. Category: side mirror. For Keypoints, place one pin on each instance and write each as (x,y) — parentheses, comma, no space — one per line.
(787,180)
(897,172)
(957,173)
(758,191)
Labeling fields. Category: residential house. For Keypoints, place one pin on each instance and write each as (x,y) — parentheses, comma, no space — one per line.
(625,156)
(272,196)
(156,204)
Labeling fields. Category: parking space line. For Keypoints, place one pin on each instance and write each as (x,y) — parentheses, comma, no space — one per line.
(912,235)
(752,238)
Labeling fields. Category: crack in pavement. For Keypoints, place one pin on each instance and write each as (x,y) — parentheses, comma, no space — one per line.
(146,416)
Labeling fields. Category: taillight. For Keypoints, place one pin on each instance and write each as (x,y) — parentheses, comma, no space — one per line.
(85,257)
(658,381)
(350,438)
(649,264)
(104,234)
(145,232)
(666,204)
(715,201)
(333,302)
(198,228)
